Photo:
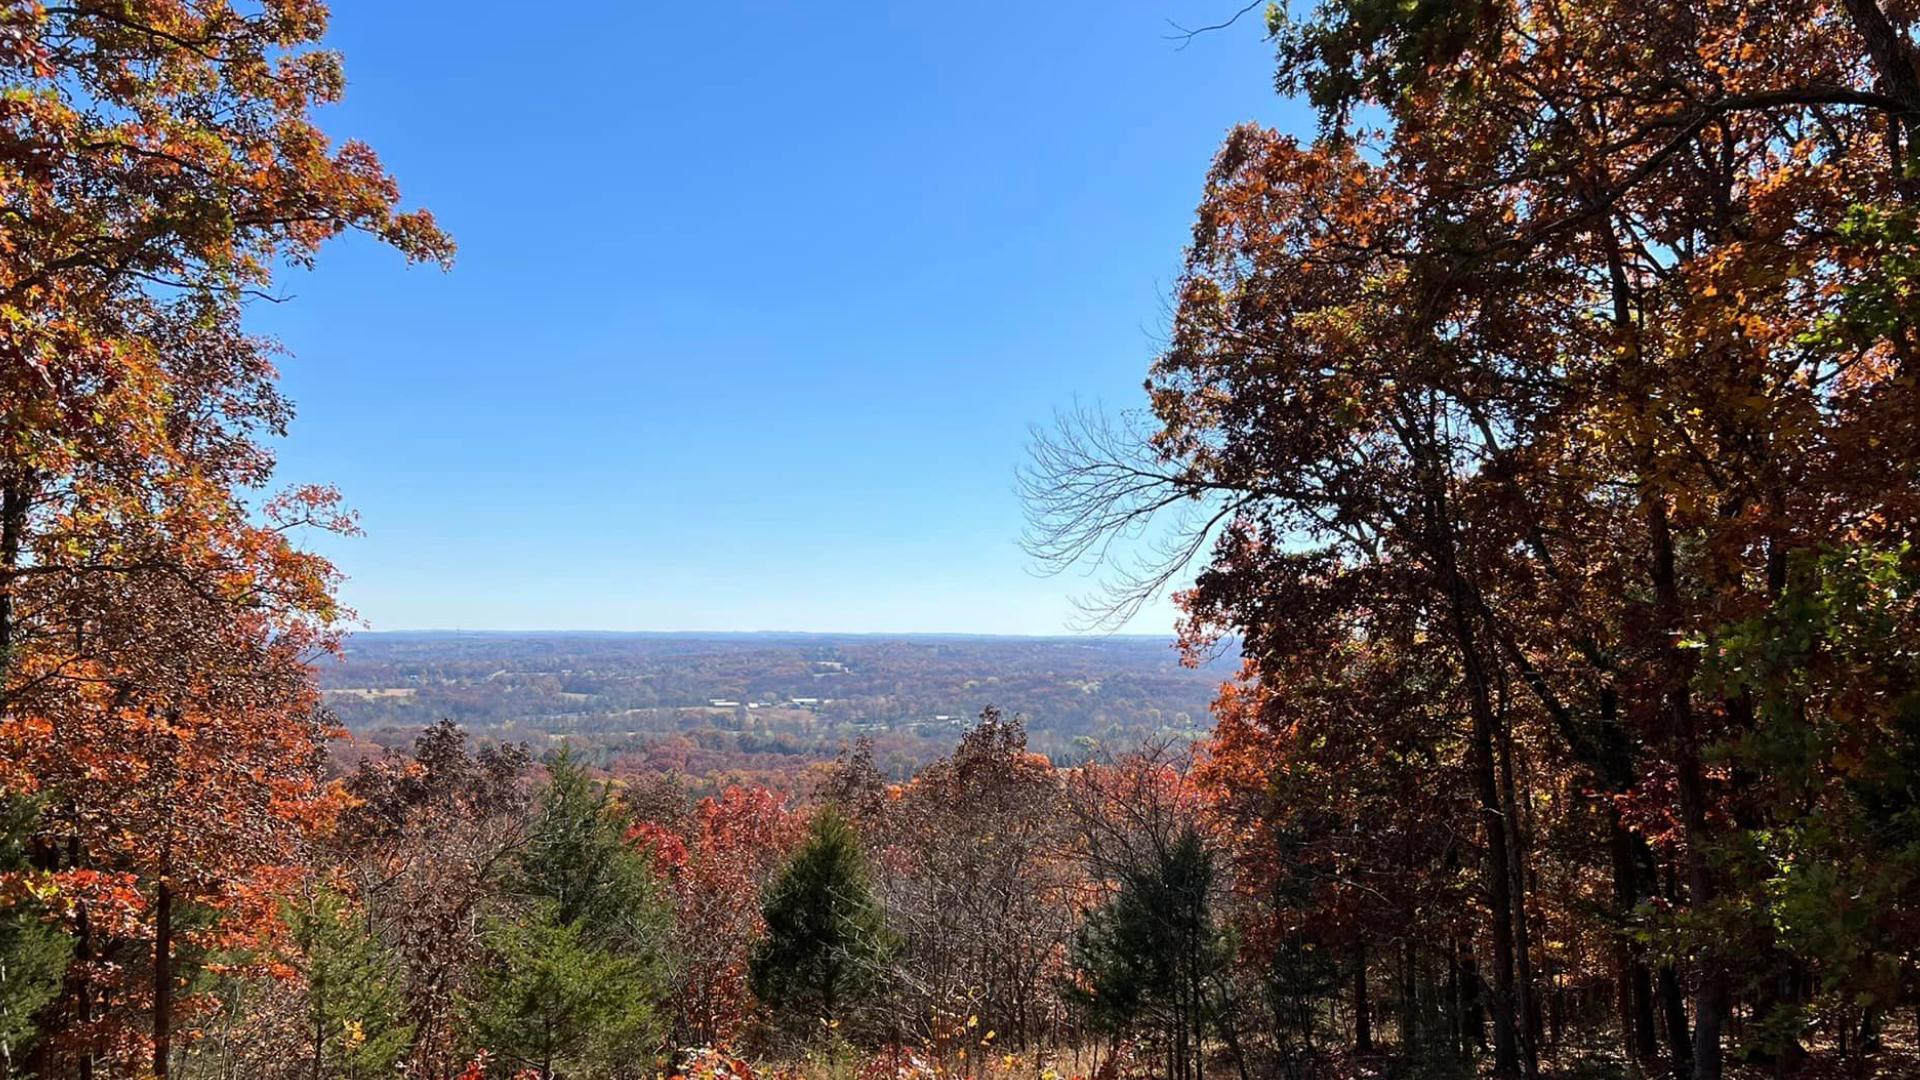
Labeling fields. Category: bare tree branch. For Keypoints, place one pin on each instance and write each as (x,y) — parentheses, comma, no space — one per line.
(1185,36)
(1094,490)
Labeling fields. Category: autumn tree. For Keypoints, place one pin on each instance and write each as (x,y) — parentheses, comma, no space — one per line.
(1339,770)
(429,837)
(854,787)
(974,873)
(159,159)
(1575,317)
(739,840)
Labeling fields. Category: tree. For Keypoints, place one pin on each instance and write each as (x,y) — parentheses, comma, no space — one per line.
(354,1005)
(33,951)
(974,874)
(740,839)
(576,968)
(1835,848)
(1572,326)
(1152,956)
(1336,769)
(1148,957)
(158,160)
(426,844)
(175,819)
(827,941)
(553,1002)
(578,857)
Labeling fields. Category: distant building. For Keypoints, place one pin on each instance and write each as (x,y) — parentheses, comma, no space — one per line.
(723,703)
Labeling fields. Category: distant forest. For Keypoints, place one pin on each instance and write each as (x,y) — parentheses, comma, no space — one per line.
(648,701)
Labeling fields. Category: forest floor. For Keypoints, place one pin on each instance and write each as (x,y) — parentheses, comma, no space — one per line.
(1897,1058)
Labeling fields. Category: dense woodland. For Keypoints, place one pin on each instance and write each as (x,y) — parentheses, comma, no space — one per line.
(1542,433)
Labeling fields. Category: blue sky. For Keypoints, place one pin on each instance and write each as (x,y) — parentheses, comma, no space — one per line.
(755,303)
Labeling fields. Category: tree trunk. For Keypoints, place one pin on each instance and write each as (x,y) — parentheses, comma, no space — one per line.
(1506,1057)
(1409,1007)
(1710,999)
(1362,1022)
(1892,59)
(1500,898)
(83,956)
(1472,1023)
(1525,1001)
(1454,1029)
(1636,993)
(162,975)
(1673,1003)
(15,496)
(1230,1030)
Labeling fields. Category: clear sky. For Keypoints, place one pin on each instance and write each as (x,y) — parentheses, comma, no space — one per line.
(755,303)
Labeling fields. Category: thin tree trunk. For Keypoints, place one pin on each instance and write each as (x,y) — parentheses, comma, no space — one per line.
(1506,1058)
(1710,999)
(1500,900)
(1230,1031)
(1473,1023)
(1673,1004)
(15,496)
(1456,1004)
(1409,1009)
(163,974)
(83,956)
(1362,1022)
(1673,1000)
(1525,1001)
(1636,994)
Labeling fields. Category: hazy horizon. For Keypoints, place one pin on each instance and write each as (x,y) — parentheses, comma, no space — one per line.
(486,631)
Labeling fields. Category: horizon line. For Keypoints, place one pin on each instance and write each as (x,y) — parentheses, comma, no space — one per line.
(492,632)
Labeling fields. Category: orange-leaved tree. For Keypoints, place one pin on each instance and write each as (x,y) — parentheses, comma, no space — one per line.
(158,159)
(738,840)
(1585,321)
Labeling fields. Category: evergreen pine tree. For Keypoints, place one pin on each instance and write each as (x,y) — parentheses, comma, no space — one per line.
(553,1002)
(578,965)
(827,943)
(579,858)
(354,1002)
(33,951)
(1151,956)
